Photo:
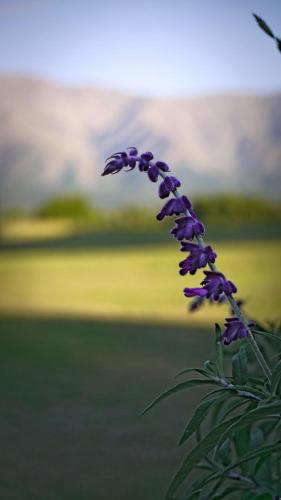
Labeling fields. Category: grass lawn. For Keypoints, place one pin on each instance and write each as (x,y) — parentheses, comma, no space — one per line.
(70,392)
(88,337)
(139,283)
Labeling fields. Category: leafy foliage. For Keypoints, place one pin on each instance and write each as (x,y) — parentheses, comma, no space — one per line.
(236,450)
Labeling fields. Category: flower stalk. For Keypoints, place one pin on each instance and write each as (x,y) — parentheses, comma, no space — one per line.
(214,287)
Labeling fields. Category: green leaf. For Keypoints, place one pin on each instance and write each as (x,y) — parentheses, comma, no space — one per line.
(240,367)
(210,367)
(262,24)
(179,387)
(276,378)
(216,487)
(257,438)
(199,414)
(251,390)
(196,454)
(195,495)
(224,452)
(261,412)
(225,493)
(213,438)
(219,351)
(242,443)
(233,406)
(268,335)
(188,370)
(266,450)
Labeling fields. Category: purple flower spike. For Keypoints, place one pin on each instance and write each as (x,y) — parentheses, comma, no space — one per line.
(187,227)
(175,206)
(198,257)
(169,185)
(234,330)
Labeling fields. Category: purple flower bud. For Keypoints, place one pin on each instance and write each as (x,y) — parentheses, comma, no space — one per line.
(162,166)
(187,227)
(114,166)
(174,207)
(143,165)
(153,173)
(168,185)
(120,160)
(198,257)
(148,156)
(131,163)
(234,330)
(133,151)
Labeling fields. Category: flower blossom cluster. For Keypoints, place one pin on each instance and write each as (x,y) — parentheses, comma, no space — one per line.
(188,230)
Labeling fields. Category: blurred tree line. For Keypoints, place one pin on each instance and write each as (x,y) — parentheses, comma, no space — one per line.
(222,209)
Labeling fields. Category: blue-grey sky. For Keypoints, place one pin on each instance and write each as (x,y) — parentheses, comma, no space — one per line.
(148,47)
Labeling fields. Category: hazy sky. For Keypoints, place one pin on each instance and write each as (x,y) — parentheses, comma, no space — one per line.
(149,47)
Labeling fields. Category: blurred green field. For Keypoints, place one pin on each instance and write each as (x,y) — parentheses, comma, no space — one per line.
(135,283)
(70,394)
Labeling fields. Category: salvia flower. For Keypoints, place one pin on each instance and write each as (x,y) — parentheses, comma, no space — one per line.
(213,286)
(120,160)
(198,257)
(234,330)
(168,185)
(187,228)
(144,161)
(154,170)
(174,206)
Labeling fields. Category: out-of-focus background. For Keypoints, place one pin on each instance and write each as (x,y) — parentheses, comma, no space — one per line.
(93,320)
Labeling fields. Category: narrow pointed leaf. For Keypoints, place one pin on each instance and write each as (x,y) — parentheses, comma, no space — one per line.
(199,415)
(210,367)
(232,408)
(240,367)
(270,410)
(262,24)
(196,454)
(276,377)
(265,451)
(224,494)
(219,351)
(213,439)
(179,387)
(268,335)
(189,370)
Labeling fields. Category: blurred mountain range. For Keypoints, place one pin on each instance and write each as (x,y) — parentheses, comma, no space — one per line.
(54,139)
